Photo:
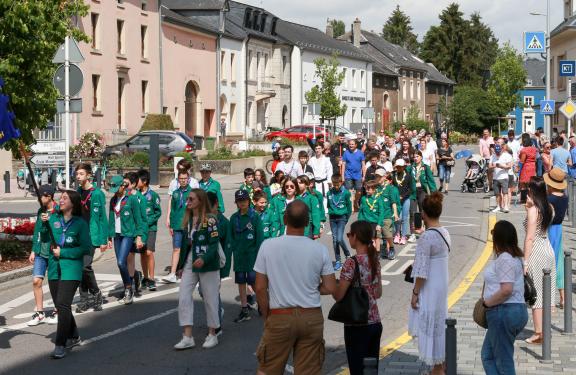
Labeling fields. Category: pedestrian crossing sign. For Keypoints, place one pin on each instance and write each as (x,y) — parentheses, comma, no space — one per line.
(568,109)
(534,42)
(547,107)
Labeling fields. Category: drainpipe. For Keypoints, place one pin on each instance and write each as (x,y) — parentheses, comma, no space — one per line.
(160,56)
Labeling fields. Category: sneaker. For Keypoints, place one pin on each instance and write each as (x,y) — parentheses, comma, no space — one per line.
(218,331)
(52,318)
(37,318)
(210,342)
(137,282)
(397,238)
(185,343)
(98,301)
(391,254)
(145,282)
(337,266)
(402,240)
(70,343)
(59,352)
(151,285)
(243,316)
(128,297)
(496,210)
(506,210)
(251,299)
(85,303)
(440,189)
(412,238)
(171,278)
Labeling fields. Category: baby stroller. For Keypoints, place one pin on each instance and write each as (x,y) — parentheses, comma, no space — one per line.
(476,175)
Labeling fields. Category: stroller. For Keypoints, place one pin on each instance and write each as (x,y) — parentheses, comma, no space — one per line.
(476,175)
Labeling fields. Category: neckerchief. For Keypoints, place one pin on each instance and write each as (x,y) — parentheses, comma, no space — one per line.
(65,226)
(122,204)
(148,194)
(370,206)
(339,195)
(248,226)
(181,196)
(399,182)
(85,201)
(206,185)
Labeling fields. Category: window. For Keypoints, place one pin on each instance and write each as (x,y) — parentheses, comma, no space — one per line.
(345,80)
(266,72)
(120,35)
(232,116)
(353,113)
(144,41)
(144,5)
(418,88)
(284,65)
(120,101)
(394,116)
(404,89)
(233,67)
(353,85)
(404,112)
(94,18)
(377,82)
(175,115)
(96,93)
(144,105)
(411,89)
(528,101)
(362,86)
(223,66)
(250,73)
(528,82)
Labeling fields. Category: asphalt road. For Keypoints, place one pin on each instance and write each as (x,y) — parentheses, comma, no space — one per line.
(138,339)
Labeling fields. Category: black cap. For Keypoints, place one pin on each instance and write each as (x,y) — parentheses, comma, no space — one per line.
(341,134)
(241,195)
(46,190)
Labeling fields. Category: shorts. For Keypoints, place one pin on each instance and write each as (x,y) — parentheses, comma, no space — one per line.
(500,186)
(388,228)
(40,267)
(245,278)
(353,184)
(177,238)
(150,242)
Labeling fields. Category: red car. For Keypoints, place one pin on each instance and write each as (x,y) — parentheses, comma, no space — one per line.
(296,133)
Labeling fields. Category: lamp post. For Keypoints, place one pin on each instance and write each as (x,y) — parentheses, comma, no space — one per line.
(547,118)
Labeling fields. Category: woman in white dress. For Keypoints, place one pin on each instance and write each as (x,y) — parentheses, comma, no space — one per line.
(429,305)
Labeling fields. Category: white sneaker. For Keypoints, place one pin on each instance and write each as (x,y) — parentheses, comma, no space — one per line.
(185,343)
(52,319)
(412,238)
(210,342)
(506,210)
(37,318)
(171,278)
(496,210)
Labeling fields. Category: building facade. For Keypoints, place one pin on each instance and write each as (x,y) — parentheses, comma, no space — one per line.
(526,117)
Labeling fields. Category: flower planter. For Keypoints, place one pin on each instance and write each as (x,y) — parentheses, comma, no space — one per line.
(231,166)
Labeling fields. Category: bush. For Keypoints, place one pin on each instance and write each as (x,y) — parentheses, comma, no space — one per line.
(157,122)
(13,249)
(136,160)
(141,159)
(224,153)
(90,145)
(185,155)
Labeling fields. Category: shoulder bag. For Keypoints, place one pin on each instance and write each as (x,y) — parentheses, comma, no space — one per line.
(353,308)
(479,313)
(530,293)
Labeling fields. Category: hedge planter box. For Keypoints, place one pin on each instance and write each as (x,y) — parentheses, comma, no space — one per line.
(166,175)
(231,166)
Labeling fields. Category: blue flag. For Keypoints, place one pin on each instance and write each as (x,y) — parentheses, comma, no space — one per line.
(7,129)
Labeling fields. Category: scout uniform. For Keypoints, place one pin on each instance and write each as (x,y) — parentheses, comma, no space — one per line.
(389,196)
(213,186)
(249,189)
(224,236)
(313,228)
(339,203)
(143,205)
(203,244)
(130,214)
(422,177)
(320,199)
(98,221)
(371,210)
(178,207)
(269,226)
(246,237)
(41,242)
(278,206)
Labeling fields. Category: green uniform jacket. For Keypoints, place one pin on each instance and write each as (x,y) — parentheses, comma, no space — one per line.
(131,222)
(390,195)
(268,192)
(426,180)
(268,223)
(76,245)
(314,207)
(371,209)
(339,202)
(204,245)
(178,207)
(320,199)
(246,237)
(224,235)
(213,186)
(98,221)
(278,206)
(41,241)
(143,208)
(249,189)
(153,209)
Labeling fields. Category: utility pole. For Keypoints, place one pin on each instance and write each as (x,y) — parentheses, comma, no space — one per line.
(67,109)
(548,118)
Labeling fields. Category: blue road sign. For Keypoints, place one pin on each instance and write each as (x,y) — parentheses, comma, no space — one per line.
(547,107)
(534,42)
(567,68)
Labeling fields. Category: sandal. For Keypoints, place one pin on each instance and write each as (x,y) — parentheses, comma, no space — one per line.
(535,339)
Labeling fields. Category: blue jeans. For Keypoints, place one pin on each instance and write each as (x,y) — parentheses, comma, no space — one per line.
(338,226)
(505,322)
(122,246)
(444,173)
(406,217)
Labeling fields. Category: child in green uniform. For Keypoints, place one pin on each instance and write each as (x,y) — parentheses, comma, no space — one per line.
(390,196)
(65,264)
(247,184)
(133,190)
(246,237)
(289,192)
(260,176)
(339,210)
(153,213)
(176,211)
(320,198)
(266,214)
(313,228)
(208,184)
(372,210)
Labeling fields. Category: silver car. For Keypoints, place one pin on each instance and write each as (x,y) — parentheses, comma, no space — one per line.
(170,143)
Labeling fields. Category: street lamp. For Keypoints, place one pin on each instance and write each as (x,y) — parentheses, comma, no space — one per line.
(547,118)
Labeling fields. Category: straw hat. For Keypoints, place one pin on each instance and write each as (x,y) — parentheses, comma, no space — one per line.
(556,179)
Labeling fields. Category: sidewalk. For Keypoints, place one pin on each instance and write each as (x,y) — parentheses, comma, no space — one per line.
(471,336)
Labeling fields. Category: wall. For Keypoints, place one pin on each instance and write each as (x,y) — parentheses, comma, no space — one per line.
(538,94)
(563,47)
(383,86)
(233,89)
(407,100)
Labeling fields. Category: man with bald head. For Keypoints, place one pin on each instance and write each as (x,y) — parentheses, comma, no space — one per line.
(292,271)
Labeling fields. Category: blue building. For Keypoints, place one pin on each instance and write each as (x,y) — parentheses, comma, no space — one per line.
(527,117)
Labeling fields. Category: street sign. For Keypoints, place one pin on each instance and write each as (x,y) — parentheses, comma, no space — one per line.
(49,147)
(547,107)
(567,68)
(75,105)
(534,42)
(568,109)
(314,109)
(74,54)
(76,80)
(49,159)
(368,113)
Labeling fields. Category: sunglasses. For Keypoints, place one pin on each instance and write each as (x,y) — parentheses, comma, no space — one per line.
(124,184)
(289,187)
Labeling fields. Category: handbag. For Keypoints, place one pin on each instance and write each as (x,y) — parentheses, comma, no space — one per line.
(353,308)
(530,293)
(450,163)
(479,313)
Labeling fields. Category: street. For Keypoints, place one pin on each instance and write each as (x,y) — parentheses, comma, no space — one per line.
(138,339)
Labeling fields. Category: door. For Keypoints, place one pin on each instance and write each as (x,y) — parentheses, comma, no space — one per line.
(385,119)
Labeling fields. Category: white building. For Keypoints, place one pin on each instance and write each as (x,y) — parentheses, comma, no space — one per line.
(232,76)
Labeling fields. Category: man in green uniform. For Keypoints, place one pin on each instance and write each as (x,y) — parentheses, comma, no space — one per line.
(390,197)
(207,183)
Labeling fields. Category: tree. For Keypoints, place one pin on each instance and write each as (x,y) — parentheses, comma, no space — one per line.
(325,93)
(507,77)
(338,27)
(398,30)
(30,33)
(414,118)
(470,110)
(480,50)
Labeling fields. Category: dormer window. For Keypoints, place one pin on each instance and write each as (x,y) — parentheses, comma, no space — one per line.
(273,29)
(263,22)
(256,20)
(528,82)
(248,17)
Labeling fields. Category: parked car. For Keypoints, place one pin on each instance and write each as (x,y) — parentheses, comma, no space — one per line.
(170,143)
(259,135)
(296,133)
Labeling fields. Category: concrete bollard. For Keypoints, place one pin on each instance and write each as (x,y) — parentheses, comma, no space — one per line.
(568,292)
(546,317)
(570,193)
(370,366)
(451,347)
(7,182)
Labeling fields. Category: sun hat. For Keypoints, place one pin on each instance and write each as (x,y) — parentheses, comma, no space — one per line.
(205,167)
(380,172)
(556,179)
(400,163)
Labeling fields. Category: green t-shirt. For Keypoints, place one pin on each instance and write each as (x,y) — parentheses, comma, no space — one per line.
(178,207)
(339,202)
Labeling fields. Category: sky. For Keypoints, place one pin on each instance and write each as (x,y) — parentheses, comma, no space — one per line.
(507,18)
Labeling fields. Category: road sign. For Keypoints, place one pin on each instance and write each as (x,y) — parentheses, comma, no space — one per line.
(567,68)
(49,147)
(534,42)
(75,105)
(568,109)
(547,107)
(314,109)
(49,159)
(368,113)
(76,80)
(75,56)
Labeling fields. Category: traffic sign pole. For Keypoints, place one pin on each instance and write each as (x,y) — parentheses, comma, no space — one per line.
(67,109)
(569,122)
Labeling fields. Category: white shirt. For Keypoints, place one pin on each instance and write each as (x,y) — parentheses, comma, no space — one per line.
(292,168)
(504,158)
(428,156)
(515,147)
(505,269)
(294,266)
(393,151)
(432,145)
(117,223)
(321,166)
(174,184)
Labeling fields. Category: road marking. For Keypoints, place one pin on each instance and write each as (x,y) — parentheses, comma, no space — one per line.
(20,300)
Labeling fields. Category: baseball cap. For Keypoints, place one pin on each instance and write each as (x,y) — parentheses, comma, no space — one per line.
(241,195)
(380,172)
(46,190)
(115,183)
(400,163)
(205,167)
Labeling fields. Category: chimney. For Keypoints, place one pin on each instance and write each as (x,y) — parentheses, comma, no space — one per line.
(329,29)
(356,32)
(568,9)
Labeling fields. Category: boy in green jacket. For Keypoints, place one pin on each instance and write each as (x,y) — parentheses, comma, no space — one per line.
(390,197)
(313,228)
(339,210)
(208,184)
(372,210)
(246,237)
(266,214)
(153,213)
(249,175)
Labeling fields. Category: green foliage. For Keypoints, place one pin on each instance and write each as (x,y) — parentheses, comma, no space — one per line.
(90,145)
(157,122)
(325,93)
(30,34)
(185,155)
(135,160)
(13,249)
(141,159)
(471,110)
(398,30)
(225,153)
(507,77)
(338,27)
(414,119)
